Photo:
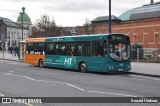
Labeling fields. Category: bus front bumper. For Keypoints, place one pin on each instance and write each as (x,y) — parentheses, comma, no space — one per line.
(119,68)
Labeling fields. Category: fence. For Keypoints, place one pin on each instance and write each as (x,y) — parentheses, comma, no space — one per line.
(146,55)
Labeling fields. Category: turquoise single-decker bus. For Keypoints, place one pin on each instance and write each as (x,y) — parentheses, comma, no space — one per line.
(86,53)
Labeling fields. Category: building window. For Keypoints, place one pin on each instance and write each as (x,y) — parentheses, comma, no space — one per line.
(150,36)
(140,37)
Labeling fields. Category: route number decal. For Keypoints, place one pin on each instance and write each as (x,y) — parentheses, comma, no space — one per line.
(67,61)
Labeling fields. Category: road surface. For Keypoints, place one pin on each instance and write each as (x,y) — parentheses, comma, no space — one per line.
(18,79)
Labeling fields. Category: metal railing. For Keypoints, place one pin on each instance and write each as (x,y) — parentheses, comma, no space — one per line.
(146,55)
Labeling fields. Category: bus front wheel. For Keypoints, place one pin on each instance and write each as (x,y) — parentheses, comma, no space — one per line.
(83,67)
(41,63)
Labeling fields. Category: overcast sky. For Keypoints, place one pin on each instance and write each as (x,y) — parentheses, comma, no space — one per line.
(66,12)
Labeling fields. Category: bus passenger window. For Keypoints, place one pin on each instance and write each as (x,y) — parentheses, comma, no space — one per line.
(97,48)
(60,49)
(39,48)
(79,50)
(63,49)
(30,47)
(100,54)
(68,50)
(50,49)
(71,49)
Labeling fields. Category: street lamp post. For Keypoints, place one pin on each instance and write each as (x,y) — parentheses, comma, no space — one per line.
(21,13)
(110,27)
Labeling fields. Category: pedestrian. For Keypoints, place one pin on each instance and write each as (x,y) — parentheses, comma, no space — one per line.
(13,50)
(17,50)
(0,47)
(10,49)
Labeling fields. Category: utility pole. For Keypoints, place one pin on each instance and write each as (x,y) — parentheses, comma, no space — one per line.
(21,13)
(152,2)
(110,20)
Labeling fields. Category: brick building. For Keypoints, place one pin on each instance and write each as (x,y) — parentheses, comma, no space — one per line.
(142,24)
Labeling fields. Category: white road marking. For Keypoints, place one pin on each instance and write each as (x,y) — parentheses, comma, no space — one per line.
(112,93)
(2,95)
(138,77)
(8,73)
(11,71)
(157,79)
(13,63)
(73,86)
(128,77)
(45,81)
(28,104)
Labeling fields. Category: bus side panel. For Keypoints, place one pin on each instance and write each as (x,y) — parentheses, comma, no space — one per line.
(67,62)
(33,59)
(94,64)
(52,61)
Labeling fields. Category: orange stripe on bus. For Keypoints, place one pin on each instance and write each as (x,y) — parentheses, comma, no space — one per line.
(35,40)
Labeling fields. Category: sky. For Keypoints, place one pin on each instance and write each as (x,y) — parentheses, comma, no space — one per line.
(67,12)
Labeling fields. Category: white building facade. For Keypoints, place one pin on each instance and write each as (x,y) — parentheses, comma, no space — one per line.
(13,30)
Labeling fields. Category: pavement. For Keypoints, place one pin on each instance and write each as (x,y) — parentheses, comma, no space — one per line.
(138,68)
(8,56)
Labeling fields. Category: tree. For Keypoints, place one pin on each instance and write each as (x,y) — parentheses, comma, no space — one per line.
(88,27)
(46,27)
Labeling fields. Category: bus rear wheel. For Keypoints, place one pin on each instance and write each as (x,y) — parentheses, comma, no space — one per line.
(41,63)
(83,67)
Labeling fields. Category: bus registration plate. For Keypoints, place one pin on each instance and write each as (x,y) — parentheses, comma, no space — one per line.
(120,69)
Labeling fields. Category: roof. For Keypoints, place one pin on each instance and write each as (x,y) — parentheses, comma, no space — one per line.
(105,18)
(5,19)
(147,11)
(11,23)
(8,22)
(26,18)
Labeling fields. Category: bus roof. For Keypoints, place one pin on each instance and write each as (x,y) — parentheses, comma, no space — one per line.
(78,36)
(70,38)
(86,35)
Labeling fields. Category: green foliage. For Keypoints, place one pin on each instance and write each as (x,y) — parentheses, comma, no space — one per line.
(134,49)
